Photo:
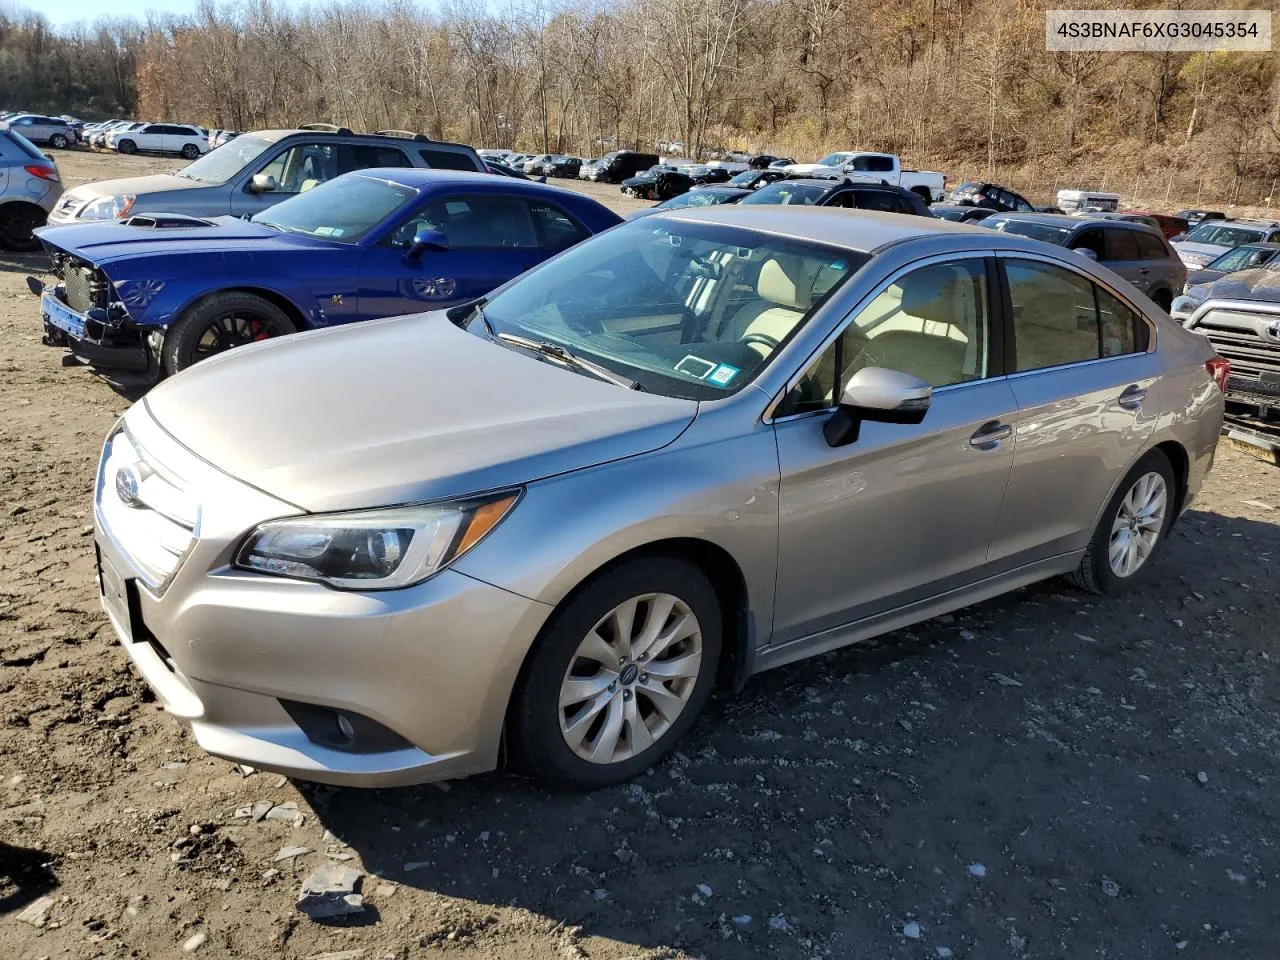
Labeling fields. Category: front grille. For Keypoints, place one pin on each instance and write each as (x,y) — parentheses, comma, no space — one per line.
(1251,341)
(148,511)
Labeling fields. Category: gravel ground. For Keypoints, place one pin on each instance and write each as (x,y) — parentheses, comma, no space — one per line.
(1044,775)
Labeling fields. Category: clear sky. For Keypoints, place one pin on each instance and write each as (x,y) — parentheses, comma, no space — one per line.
(61,12)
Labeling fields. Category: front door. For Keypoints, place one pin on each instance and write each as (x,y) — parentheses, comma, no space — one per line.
(905,511)
(491,239)
(1081,380)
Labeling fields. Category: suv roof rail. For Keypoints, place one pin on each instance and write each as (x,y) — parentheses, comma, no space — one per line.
(403,135)
(325,128)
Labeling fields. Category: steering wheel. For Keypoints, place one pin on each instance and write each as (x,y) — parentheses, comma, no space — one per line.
(763,339)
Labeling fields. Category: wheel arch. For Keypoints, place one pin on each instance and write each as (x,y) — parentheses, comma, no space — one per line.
(274,297)
(1180,460)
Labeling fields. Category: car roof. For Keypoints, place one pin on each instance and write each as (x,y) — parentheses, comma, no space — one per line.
(426,178)
(1254,221)
(862,230)
(961,206)
(1072,220)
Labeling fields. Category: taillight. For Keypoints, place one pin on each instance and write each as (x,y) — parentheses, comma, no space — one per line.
(1220,370)
(43,172)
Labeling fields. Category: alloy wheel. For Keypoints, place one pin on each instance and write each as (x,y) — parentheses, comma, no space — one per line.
(1138,524)
(232,330)
(630,678)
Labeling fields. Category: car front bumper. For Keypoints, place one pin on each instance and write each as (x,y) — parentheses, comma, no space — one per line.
(240,657)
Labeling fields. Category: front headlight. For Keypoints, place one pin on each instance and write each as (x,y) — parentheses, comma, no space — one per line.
(107,208)
(373,549)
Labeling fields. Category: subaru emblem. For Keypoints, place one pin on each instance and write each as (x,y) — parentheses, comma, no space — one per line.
(127,484)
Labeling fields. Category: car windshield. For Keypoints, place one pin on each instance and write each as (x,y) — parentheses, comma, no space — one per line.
(834,159)
(950,213)
(697,198)
(1223,234)
(221,165)
(343,209)
(691,310)
(1048,232)
(806,194)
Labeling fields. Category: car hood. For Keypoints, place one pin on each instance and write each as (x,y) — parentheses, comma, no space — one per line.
(401,410)
(1210,250)
(133,186)
(1257,283)
(107,241)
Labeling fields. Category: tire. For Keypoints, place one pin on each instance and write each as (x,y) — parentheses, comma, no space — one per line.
(541,723)
(58,141)
(127,146)
(17,220)
(924,194)
(220,323)
(1162,299)
(1098,573)
(190,151)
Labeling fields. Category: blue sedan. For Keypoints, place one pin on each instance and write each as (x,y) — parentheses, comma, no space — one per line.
(164,291)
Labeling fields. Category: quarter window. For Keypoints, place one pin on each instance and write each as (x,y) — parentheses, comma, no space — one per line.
(1123,331)
(931,323)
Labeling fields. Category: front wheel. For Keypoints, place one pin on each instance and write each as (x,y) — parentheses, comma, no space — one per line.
(620,673)
(190,151)
(58,141)
(1132,526)
(220,323)
(127,146)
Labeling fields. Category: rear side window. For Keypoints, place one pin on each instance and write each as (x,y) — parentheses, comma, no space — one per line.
(1055,318)
(1122,331)
(1121,245)
(363,156)
(876,200)
(446,159)
(23,144)
(556,229)
(1151,247)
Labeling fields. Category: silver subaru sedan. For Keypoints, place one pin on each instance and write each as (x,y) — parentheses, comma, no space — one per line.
(692,448)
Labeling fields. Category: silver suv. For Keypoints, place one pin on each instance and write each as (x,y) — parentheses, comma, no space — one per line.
(256,171)
(41,129)
(29,188)
(694,447)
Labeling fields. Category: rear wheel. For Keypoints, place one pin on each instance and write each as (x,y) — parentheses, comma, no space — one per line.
(924,194)
(190,151)
(1162,299)
(1132,526)
(58,141)
(127,146)
(622,670)
(17,221)
(220,323)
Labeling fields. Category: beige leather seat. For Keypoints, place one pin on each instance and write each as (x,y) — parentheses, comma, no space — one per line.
(1048,328)
(786,294)
(928,341)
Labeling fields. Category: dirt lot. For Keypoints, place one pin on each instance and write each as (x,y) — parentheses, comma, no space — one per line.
(1045,775)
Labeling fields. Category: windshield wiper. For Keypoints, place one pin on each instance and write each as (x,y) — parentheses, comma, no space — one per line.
(556,352)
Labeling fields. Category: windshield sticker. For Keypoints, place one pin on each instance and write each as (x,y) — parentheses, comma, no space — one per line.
(722,375)
(695,367)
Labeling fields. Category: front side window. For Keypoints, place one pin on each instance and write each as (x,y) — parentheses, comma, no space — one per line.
(1055,319)
(302,167)
(476,223)
(343,210)
(876,200)
(931,323)
(691,310)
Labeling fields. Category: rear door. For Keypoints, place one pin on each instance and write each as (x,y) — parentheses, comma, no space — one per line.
(492,238)
(1080,374)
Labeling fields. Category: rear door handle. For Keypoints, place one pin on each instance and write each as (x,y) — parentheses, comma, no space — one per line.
(989,435)
(1132,397)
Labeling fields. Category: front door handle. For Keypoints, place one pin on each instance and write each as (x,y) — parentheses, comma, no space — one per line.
(1132,397)
(989,435)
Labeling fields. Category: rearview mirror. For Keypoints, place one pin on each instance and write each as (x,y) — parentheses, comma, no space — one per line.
(874,393)
(426,239)
(1086,253)
(263,183)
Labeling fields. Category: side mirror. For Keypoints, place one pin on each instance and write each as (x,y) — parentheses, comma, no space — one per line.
(1178,239)
(1086,253)
(874,393)
(263,183)
(426,239)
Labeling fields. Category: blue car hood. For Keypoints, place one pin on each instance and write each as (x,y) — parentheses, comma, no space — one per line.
(103,244)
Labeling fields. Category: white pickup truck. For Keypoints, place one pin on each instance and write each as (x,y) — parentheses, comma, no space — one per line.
(930,185)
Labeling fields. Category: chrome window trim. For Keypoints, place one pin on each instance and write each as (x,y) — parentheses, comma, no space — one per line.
(843,324)
(1152,331)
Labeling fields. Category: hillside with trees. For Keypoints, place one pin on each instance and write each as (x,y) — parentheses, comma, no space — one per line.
(950,84)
